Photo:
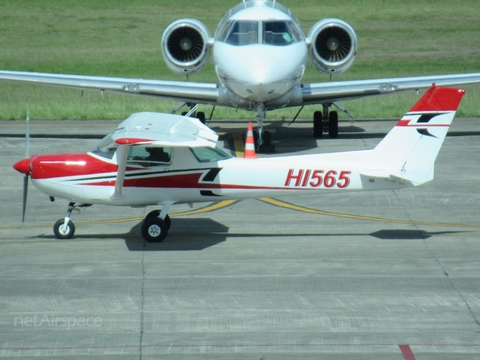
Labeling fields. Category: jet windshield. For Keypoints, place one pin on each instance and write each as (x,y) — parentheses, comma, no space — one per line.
(271,32)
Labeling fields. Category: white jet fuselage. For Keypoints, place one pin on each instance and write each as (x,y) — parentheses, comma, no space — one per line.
(260,54)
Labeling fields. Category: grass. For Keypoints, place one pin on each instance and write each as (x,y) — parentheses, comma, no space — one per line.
(122,38)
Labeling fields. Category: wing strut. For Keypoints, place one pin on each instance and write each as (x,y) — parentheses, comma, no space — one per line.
(122,154)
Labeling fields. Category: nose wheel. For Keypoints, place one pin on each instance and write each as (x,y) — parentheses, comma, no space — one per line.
(64,228)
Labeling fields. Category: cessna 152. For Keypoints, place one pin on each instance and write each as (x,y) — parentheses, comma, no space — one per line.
(155,159)
(260,53)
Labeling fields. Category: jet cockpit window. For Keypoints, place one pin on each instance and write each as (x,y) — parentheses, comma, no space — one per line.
(149,155)
(240,33)
(280,32)
(272,32)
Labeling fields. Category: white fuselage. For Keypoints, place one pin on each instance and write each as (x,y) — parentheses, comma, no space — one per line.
(186,180)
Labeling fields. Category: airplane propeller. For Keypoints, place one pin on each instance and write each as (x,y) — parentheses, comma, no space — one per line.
(23,166)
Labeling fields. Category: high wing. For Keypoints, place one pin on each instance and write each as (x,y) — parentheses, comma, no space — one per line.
(158,129)
(215,94)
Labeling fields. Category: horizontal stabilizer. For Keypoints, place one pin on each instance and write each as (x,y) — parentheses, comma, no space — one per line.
(164,130)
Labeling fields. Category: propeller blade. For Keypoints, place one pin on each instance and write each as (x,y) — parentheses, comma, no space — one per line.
(27,155)
(25,192)
(27,136)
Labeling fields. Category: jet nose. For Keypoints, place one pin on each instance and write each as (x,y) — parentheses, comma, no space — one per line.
(23,166)
(261,69)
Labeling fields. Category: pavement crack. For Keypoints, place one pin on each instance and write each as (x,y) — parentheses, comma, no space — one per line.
(445,272)
(142,302)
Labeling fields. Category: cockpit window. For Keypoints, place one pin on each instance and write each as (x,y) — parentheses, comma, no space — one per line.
(277,33)
(106,147)
(273,32)
(240,33)
(208,154)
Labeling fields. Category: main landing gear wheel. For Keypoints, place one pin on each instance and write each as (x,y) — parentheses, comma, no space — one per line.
(323,123)
(333,124)
(62,231)
(156,213)
(317,124)
(154,229)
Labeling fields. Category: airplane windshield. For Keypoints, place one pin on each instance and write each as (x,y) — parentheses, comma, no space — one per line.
(240,33)
(272,32)
(106,147)
(280,32)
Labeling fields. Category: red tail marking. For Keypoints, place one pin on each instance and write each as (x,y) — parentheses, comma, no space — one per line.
(439,99)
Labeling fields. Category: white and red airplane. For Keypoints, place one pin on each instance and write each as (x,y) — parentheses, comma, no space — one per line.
(155,159)
(260,53)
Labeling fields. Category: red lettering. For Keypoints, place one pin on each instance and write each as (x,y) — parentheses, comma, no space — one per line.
(330,179)
(317,176)
(291,176)
(343,177)
(306,177)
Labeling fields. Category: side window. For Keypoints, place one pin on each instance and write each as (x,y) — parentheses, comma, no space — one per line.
(149,155)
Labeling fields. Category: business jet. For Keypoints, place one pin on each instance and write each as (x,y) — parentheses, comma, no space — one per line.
(155,159)
(260,54)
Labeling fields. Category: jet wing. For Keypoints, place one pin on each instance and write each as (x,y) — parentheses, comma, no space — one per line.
(210,93)
(327,92)
(198,93)
(159,129)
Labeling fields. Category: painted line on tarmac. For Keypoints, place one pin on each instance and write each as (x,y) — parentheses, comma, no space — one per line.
(407,352)
(238,144)
(290,206)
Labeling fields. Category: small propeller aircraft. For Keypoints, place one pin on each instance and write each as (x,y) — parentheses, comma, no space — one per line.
(155,159)
(260,53)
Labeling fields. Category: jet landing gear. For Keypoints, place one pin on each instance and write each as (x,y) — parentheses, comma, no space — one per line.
(154,228)
(326,122)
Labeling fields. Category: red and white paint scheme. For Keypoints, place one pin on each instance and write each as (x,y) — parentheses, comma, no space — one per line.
(162,159)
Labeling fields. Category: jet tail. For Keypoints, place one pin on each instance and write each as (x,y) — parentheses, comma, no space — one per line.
(409,150)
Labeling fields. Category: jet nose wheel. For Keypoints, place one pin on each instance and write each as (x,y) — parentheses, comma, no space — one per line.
(62,230)
(154,229)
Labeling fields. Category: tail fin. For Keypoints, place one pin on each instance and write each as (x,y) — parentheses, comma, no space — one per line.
(409,150)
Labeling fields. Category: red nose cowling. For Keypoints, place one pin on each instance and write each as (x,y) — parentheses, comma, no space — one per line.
(23,166)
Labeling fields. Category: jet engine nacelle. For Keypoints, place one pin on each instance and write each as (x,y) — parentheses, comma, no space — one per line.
(333,44)
(185,46)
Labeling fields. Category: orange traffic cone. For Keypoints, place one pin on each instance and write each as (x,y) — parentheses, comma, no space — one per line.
(250,144)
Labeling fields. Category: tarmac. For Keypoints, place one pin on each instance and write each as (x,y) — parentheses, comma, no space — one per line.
(368,275)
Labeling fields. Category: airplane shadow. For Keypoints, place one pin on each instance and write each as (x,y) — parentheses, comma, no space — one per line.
(398,234)
(184,235)
(202,233)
